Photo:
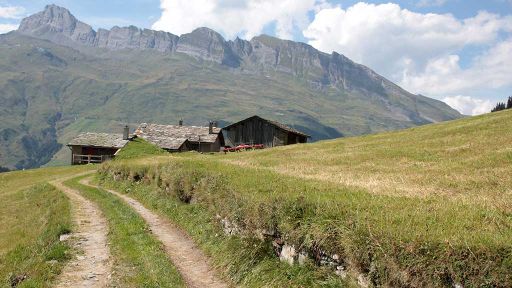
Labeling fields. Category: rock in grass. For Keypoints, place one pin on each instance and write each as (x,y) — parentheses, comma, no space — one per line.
(64,237)
(288,254)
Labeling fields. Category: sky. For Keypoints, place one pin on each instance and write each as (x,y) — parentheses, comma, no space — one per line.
(457,51)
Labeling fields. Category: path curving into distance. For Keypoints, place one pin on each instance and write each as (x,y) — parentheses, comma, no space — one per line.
(191,262)
(92,267)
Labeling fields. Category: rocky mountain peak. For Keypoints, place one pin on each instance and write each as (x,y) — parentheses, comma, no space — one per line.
(58,25)
(205,32)
(204,43)
(52,17)
(55,23)
(241,47)
(57,17)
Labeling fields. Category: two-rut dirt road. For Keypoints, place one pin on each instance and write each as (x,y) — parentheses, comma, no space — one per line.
(93,267)
(191,262)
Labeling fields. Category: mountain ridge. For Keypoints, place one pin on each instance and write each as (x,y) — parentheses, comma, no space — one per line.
(60,77)
(202,42)
(206,44)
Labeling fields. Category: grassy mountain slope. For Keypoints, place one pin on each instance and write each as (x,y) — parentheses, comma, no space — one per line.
(423,207)
(33,216)
(51,92)
(465,160)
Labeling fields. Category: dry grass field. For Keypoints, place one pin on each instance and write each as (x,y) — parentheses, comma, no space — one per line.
(467,160)
(428,206)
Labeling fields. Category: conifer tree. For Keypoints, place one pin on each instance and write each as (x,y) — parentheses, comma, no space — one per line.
(509,102)
(500,106)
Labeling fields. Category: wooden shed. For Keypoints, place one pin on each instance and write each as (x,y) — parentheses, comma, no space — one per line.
(179,138)
(256,130)
(96,147)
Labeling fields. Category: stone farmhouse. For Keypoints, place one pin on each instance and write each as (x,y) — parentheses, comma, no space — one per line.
(99,147)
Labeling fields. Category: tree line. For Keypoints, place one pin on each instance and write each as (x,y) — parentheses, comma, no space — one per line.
(502,105)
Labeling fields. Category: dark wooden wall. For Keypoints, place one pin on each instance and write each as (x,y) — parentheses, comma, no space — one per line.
(98,151)
(257,131)
(82,154)
(206,146)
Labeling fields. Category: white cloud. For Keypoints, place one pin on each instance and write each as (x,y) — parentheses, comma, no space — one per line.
(492,70)
(245,18)
(4,28)
(421,52)
(469,105)
(11,12)
(390,39)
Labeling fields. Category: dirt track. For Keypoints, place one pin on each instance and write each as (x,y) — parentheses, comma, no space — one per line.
(186,256)
(93,266)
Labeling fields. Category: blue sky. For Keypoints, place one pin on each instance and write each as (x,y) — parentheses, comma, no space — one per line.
(458,51)
(99,14)
(143,13)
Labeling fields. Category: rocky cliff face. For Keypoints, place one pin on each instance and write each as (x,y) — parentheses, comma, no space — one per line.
(135,38)
(203,43)
(260,54)
(57,24)
(263,52)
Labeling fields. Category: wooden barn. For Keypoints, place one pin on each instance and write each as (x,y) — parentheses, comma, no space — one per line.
(180,138)
(96,147)
(256,130)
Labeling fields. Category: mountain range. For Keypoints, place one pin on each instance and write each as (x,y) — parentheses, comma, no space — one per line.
(59,76)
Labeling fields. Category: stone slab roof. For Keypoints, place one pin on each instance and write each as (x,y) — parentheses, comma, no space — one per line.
(165,142)
(104,140)
(173,136)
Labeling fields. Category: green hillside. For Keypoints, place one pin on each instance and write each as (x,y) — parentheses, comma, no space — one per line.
(32,217)
(423,207)
(51,92)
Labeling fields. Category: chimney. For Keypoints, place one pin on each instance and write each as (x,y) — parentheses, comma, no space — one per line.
(126,132)
(180,123)
(210,127)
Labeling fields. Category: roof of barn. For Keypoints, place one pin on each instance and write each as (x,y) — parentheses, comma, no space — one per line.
(275,123)
(104,140)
